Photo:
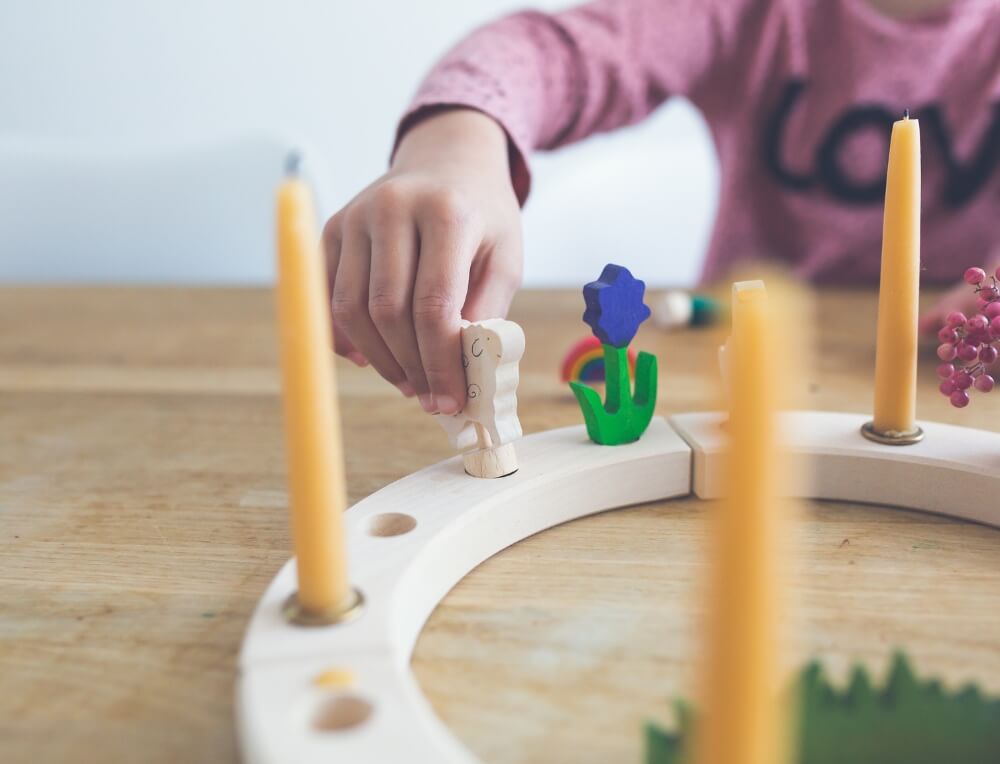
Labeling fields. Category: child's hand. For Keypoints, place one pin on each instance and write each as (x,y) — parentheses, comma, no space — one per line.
(435,240)
(960,297)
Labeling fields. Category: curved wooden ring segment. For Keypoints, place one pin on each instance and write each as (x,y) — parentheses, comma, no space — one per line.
(345,693)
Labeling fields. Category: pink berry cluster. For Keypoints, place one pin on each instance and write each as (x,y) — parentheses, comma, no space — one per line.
(968,345)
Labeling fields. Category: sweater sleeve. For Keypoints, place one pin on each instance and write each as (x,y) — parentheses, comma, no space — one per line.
(552,79)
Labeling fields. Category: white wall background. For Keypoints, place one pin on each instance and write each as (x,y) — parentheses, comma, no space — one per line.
(118,76)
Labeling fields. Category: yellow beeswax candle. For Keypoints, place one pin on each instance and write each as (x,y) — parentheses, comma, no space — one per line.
(741,720)
(899,287)
(312,418)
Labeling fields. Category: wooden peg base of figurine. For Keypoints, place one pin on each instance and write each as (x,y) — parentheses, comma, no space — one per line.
(491,462)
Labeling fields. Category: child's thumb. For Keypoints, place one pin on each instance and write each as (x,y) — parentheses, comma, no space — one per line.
(492,291)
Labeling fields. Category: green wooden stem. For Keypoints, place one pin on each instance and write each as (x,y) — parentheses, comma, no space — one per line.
(623,417)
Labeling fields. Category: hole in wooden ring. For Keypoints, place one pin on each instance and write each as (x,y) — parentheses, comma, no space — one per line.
(341,712)
(391,524)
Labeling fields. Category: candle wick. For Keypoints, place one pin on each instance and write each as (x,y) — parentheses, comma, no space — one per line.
(906,114)
(292,163)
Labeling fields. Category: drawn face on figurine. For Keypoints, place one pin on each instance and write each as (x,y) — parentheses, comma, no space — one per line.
(484,345)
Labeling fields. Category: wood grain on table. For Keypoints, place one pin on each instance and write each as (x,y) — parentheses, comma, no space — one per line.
(143,512)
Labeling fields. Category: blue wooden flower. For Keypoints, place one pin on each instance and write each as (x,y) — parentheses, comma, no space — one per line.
(614,306)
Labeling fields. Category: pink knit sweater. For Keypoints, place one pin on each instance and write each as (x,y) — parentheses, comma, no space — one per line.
(799,96)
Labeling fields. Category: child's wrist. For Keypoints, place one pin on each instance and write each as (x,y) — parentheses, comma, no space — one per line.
(453,135)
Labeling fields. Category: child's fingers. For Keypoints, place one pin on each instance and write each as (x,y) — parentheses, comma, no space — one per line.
(393,271)
(932,319)
(440,289)
(494,284)
(331,241)
(342,345)
(350,304)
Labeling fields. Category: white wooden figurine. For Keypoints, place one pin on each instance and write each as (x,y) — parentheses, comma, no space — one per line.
(484,430)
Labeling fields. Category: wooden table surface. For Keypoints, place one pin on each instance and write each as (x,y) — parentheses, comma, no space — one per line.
(143,512)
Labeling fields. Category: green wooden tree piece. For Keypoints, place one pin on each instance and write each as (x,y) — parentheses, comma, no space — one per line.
(909,721)
(665,747)
(623,418)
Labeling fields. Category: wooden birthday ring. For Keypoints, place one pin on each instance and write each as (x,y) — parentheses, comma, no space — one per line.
(345,692)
